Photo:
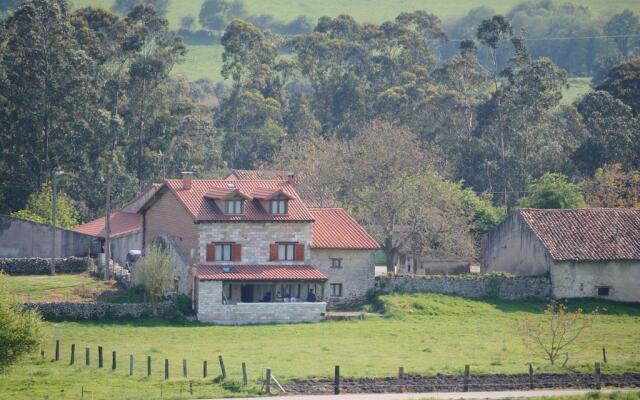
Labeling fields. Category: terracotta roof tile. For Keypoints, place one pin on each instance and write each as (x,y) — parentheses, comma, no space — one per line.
(204,210)
(259,273)
(121,223)
(587,233)
(334,228)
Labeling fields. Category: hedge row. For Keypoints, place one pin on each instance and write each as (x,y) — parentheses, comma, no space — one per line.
(42,266)
(100,311)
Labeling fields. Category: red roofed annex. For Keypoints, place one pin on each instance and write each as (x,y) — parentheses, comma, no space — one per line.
(587,252)
(252,251)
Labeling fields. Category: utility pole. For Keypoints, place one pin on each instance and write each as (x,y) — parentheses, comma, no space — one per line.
(107,227)
(54,202)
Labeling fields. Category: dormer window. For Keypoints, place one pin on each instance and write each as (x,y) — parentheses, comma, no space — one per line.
(279,206)
(234,206)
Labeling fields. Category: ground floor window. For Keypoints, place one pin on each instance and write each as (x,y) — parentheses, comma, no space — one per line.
(336,289)
(603,291)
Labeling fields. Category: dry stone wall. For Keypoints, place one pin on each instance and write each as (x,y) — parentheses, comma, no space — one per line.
(94,311)
(497,286)
(41,266)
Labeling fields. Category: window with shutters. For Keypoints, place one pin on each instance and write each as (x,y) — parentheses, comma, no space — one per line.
(223,252)
(233,206)
(286,251)
(279,206)
(336,289)
(336,263)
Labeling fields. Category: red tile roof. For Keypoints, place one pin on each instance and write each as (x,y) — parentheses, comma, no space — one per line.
(259,273)
(334,228)
(256,174)
(121,223)
(268,193)
(225,193)
(205,210)
(587,233)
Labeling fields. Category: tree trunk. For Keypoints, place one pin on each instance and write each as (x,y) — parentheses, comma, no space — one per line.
(107,225)
(389,252)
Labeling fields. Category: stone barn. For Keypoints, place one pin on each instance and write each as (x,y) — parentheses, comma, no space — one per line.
(588,252)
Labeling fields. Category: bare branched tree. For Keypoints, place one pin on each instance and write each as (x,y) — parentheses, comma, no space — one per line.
(557,330)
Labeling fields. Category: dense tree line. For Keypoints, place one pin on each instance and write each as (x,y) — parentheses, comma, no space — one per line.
(90,92)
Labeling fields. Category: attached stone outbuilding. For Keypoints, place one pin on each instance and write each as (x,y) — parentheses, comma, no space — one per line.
(589,252)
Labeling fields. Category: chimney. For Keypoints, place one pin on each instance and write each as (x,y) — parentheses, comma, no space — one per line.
(291,178)
(187,177)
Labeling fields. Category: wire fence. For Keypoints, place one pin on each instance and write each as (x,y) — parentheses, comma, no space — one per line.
(193,380)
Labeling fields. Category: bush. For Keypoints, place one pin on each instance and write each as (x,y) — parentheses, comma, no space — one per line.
(21,330)
(155,272)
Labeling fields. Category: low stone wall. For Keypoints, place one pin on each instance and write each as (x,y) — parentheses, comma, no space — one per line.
(496,286)
(262,313)
(90,311)
(42,266)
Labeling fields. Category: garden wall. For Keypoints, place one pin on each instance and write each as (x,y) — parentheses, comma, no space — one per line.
(42,266)
(474,286)
(89,311)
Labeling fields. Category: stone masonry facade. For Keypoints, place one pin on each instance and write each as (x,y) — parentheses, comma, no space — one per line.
(211,310)
(355,274)
(255,238)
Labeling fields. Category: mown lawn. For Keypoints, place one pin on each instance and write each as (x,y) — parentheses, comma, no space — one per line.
(425,333)
(68,287)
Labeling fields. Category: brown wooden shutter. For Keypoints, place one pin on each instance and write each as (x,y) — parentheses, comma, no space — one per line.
(236,252)
(273,252)
(299,252)
(211,252)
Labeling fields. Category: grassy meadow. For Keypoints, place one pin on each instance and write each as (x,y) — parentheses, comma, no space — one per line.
(205,60)
(425,333)
(68,287)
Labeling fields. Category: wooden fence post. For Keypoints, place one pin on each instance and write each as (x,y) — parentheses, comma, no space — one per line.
(166,368)
(42,354)
(466,378)
(184,368)
(204,369)
(336,380)
(99,356)
(73,354)
(604,355)
(224,372)
(87,356)
(57,350)
(401,378)
(244,374)
(148,365)
(113,360)
(530,376)
(130,364)
(267,383)
(597,375)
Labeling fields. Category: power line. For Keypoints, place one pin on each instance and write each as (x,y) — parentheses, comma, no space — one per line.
(552,38)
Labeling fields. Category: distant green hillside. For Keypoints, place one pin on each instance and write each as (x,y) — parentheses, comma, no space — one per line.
(204,61)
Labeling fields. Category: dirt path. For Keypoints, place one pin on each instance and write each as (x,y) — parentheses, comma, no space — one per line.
(444,395)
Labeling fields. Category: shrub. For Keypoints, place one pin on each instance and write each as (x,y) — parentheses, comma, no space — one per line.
(155,272)
(21,330)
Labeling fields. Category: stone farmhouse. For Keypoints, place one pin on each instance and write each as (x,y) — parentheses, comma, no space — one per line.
(590,252)
(256,253)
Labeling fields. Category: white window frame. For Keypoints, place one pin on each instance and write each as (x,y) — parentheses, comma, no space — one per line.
(223,252)
(333,287)
(234,206)
(279,206)
(286,251)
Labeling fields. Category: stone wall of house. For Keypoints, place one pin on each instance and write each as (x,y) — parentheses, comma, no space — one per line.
(473,286)
(356,274)
(210,309)
(168,217)
(20,238)
(514,248)
(573,279)
(255,238)
(99,311)
(42,266)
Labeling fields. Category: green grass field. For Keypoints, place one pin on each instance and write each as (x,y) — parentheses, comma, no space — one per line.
(425,333)
(205,61)
(67,287)
(578,87)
